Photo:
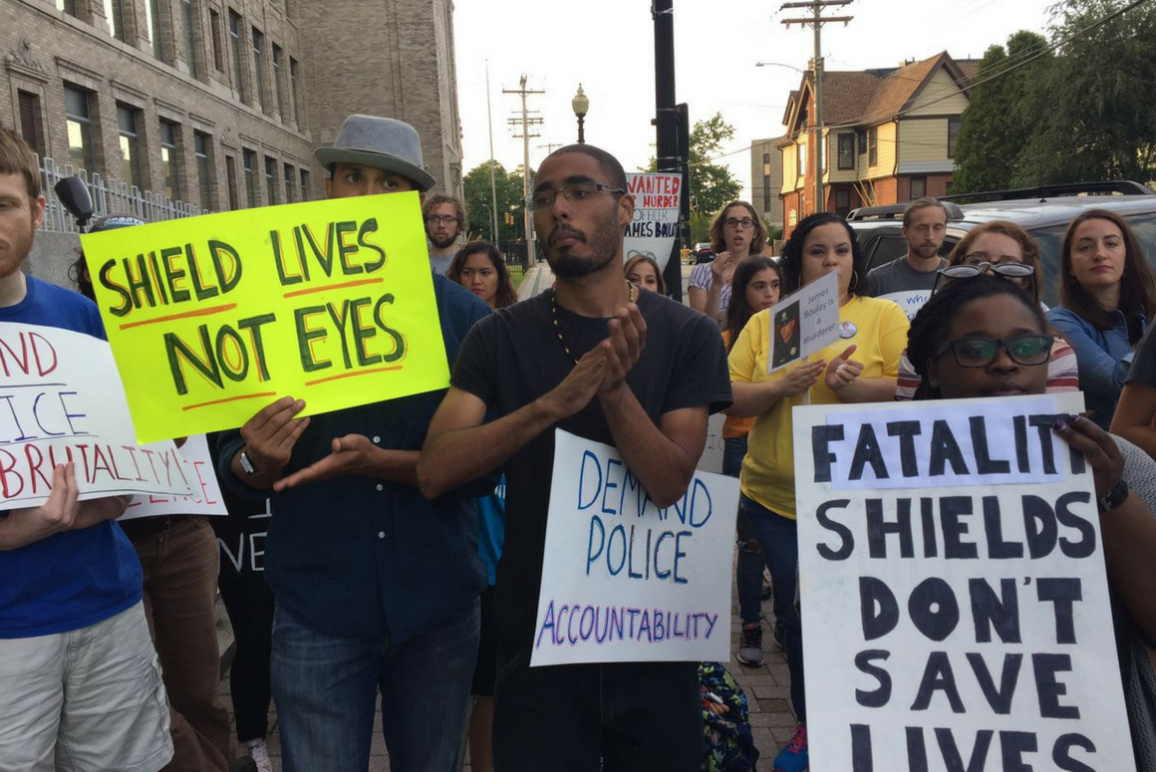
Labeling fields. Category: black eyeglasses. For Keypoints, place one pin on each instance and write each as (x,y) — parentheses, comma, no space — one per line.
(1007,270)
(576,192)
(446,219)
(978,351)
(734,222)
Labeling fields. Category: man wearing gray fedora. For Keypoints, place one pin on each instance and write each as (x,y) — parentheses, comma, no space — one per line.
(376,587)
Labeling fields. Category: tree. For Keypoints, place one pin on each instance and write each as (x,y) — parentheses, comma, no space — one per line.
(999,121)
(1097,107)
(479,203)
(711,185)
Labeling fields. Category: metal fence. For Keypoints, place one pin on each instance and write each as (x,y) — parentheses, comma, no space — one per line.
(108,197)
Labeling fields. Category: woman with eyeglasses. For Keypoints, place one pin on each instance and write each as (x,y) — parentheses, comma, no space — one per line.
(1004,250)
(736,233)
(982,338)
(860,367)
(1108,293)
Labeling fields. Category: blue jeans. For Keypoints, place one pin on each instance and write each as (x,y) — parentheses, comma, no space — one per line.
(778,536)
(749,574)
(325,688)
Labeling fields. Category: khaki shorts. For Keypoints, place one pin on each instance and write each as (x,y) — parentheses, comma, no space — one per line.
(89,700)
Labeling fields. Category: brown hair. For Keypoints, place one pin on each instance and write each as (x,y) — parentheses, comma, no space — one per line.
(738,311)
(16,157)
(1137,284)
(921,203)
(1027,244)
(758,241)
(507,295)
(436,200)
(641,258)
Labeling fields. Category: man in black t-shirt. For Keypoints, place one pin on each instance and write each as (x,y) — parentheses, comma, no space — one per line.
(642,376)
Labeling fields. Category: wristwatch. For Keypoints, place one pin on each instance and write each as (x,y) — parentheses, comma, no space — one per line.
(251,470)
(1114,497)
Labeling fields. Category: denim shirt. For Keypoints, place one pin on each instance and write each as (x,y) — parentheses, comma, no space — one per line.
(358,556)
(1099,354)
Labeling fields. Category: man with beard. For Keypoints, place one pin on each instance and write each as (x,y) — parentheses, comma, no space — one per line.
(597,358)
(909,280)
(376,588)
(444,220)
(79,684)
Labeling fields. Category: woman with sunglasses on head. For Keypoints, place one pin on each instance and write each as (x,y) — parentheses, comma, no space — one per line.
(1108,293)
(982,338)
(642,271)
(756,287)
(736,233)
(1006,251)
(860,367)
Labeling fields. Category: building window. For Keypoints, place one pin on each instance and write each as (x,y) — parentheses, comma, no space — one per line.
(202,147)
(153,19)
(766,194)
(250,176)
(290,183)
(68,6)
(271,179)
(170,159)
(238,60)
(231,178)
(31,121)
(842,202)
(127,119)
(873,146)
(115,15)
(295,89)
(801,159)
(304,185)
(918,187)
(846,151)
(188,21)
(953,127)
(861,137)
(278,61)
(215,39)
(259,59)
(80,144)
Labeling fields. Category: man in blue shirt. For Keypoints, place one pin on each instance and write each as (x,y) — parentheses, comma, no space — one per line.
(79,683)
(375,586)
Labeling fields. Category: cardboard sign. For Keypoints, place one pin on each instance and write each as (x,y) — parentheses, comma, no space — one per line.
(206,496)
(63,401)
(212,318)
(804,322)
(657,200)
(961,619)
(625,581)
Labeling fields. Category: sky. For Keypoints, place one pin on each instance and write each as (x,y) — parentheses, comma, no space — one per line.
(608,47)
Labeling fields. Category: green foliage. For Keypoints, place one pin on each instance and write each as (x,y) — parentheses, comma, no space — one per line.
(508,186)
(711,185)
(699,226)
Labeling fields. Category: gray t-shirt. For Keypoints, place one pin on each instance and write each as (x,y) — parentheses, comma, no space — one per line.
(440,265)
(898,282)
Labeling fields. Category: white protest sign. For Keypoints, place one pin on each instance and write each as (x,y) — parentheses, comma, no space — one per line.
(804,322)
(206,497)
(711,459)
(910,301)
(657,199)
(63,400)
(625,581)
(961,625)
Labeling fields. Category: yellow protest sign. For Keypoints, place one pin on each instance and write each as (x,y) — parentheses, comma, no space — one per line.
(211,318)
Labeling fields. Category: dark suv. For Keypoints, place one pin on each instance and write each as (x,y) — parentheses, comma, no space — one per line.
(1043,212)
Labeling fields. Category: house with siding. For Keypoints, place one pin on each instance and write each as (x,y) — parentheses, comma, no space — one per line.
(888,136)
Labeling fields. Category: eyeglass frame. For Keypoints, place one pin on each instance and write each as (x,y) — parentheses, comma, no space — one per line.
(734,222)
(980,270)
(599,187)
(444,219)
(1001,343)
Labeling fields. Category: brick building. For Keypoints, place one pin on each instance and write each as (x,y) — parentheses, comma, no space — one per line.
(220,103)
(888,136)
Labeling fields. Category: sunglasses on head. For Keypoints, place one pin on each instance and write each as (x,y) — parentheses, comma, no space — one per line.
(1008,270)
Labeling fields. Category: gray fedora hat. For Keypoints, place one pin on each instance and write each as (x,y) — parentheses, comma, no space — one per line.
(383,143)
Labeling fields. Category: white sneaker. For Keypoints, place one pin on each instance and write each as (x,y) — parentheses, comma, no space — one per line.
(257,751)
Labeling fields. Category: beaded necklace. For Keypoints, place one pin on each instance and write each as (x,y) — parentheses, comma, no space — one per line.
(558,328)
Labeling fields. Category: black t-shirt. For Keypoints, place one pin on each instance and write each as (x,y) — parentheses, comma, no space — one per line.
(513,357)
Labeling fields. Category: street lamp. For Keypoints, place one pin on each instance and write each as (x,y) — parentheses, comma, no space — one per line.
(779,64)
(581,104)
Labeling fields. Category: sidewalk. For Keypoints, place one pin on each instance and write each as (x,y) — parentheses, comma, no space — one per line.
(538,279)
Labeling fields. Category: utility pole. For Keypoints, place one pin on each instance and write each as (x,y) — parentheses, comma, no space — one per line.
(527,123)
(667,121)
(816,22)
(493,185)
(550,147)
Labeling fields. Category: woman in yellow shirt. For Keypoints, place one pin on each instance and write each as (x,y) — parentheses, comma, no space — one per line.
(860,367)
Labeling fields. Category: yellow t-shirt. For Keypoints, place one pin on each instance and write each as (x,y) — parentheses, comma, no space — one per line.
(735,427)
(877,327)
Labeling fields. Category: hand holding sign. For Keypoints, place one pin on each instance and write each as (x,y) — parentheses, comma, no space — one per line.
(271,434)
(843,370)
(351,454)
(627,340)
(799,379)
(1097,447)
(26,525)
